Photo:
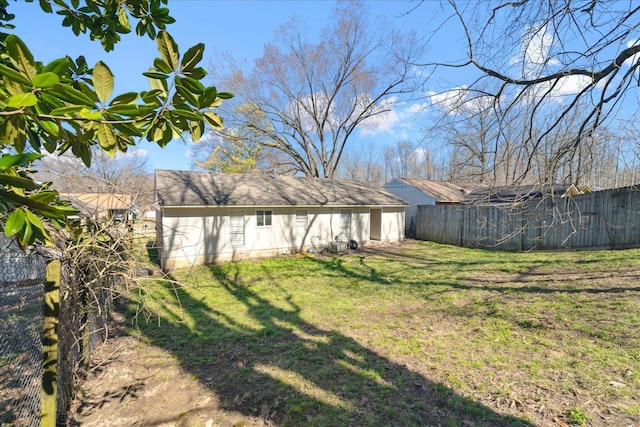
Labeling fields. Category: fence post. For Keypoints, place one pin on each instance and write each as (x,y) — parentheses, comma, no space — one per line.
(50,342)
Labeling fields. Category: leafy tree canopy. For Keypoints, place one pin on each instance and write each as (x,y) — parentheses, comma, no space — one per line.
(67,106)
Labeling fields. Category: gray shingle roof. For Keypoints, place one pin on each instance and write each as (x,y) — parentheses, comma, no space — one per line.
(186,188)
(514,193)
(442,191)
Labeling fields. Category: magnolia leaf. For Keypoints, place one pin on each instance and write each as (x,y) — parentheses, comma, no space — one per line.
(127,130)
(213,120)
(83,152)
(215,103)
(27,232)
(126,109)
(197,73)
(49,102)
(17,181)
(20,56)
(160,133)
(42,208)
(162,66)
(225,95)
(168,50)
(7,161)
(150,96)
(58,66)
(47,79)
(192,57)
(51,127)
(123,19)
(46,6)
(102,78)
(46,197)
(15,223)
(13,132)
(187,94)
(192,85)
(209,96)
(196,129)
(159,85)
(107,139)
(187,114)
(125,98)
(87,90)
(155,75)
(88,114)
(22,100)
(71,95)
(39,230)
(13,75)
(66,111)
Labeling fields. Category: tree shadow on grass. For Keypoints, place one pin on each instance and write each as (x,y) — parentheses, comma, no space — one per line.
(283,369)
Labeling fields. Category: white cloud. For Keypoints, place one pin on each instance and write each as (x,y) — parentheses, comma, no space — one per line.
(137,153)
(535,51)
(448,101)
(460,99)
(383,122)
(398,118)
(566,86)
(416,108)
(635,58)
(420,154)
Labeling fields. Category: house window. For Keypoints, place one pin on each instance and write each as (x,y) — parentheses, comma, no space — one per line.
(345,224)
(236,223)
(302,218)
(263,218)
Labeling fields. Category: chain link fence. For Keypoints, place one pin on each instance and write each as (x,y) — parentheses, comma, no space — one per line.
(22,277)
(85,303)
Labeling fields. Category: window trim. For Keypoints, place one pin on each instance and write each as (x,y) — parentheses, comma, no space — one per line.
(266,214)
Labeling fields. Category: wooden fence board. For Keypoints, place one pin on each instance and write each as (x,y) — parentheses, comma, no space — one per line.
(604,219)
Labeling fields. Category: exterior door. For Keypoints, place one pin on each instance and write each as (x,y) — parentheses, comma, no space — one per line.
(375,223)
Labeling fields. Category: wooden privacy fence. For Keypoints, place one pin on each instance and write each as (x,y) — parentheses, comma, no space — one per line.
(603,219)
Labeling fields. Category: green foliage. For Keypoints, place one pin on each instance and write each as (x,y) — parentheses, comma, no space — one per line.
(68,106)
(578,416)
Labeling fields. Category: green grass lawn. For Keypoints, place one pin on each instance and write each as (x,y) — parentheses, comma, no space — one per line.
(413,334)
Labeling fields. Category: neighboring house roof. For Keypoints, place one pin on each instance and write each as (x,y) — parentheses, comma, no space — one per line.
(513,193)
(184,188)
(442,191)
(97,203)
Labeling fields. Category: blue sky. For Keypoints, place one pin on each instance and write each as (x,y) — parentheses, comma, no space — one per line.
(238,27)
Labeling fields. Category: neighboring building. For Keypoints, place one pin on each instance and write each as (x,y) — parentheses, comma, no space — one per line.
(99,206)
(418,192)
(205,217)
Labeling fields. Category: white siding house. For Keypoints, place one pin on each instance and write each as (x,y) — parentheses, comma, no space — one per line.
(417,192)
(206,217)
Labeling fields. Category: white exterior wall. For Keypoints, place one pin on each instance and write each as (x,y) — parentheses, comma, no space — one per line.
(393,222)
(200,235)
(411,195)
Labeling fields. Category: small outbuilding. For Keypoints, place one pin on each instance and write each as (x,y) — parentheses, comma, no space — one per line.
(417,192)
(100,206)
(205,217)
